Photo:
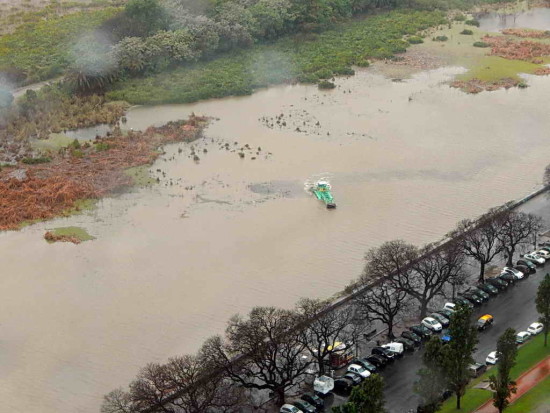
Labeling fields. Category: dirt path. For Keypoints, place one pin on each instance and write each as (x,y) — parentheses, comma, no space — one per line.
(525,382)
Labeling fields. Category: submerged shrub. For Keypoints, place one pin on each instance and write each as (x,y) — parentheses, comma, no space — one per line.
(481,44)
(466,31)
(325,84)
(440,38)
(472,22)
(415,40)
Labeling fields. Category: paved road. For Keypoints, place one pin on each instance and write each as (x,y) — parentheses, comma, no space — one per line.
(514,308)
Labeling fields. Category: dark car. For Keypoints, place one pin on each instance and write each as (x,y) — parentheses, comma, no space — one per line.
(475,300)
(444,321)
(314,400)
(509,278)
(498,283)
(464,301)
(304,406)
(480,293)
(408,345)
(343,385)
(477,369)
(532,267)
(415,338)
(378,361)
(366,364)
(421,331)
(525,270)
(488,288)
(384,352)
(445,313)
(356,378)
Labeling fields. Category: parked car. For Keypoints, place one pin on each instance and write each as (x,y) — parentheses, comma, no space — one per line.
(535,328)
(314,400)
(492,358)
(498,283)
(445,337)
(525,270)
(484,322)
(421,331)
(529,264)
(289,408)
(476,301)
(366,364)
(479,293)
(378,361)
(305,406)
(522,337)
(543,253)
(444,321)
(450,307)
(445,313)
(464,301)
(477,369)
(358,369)
(432,324)
(518,274)
(534,258)
(488,288)
(415,338)
(509,278)
(396,348)
(354,377)
(382,352)
(343,385)
(408,345)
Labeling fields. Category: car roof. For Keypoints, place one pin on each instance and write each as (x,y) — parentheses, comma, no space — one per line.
(535,324)
(486,317)
(522,333)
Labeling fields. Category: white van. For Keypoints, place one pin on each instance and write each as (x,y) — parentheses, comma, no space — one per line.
(450,307)
(396,348)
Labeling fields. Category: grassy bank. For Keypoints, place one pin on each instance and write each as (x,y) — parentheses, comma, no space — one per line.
(305,58)
(41,50)
(536,397)
(528,355)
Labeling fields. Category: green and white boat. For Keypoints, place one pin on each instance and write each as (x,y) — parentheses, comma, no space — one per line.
(321,189)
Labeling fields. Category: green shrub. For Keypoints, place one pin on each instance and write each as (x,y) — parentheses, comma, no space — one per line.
(415,40)
(440,38)
(459,17)
(324,73)
(102,146)
(344,71)
(325,84)
(363,62)
(472,22)
(34,161)
(467,31)
(74,144)
(481,44)
(522,85)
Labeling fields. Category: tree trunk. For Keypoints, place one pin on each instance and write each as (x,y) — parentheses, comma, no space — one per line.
(457,401)
(482,272)
(423,308)
(509,262)
(390,330)
(280,395)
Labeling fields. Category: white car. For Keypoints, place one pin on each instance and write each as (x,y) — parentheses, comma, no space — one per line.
(535,328)
(289,408)
(516,273)
(356,368)
(432,324)
(544,254)
(450,306)
(492,358)
(535,257)
(396,348)
(522,337)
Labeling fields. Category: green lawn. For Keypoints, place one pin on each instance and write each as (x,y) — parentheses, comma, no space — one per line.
(528,355)
(534,398)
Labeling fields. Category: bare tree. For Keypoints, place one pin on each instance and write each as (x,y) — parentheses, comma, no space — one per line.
(391,258)
(325,329)
(516,228)
(261,352)
(117,401)
(152,389)
(429,274)
(480,238)
(383,303)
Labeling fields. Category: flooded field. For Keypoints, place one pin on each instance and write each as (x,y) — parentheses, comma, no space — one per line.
(222,233)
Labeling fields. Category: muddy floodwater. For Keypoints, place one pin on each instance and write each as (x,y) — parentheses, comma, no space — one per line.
(172,262)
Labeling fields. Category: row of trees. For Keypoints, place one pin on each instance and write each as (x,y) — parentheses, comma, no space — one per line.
(273,349)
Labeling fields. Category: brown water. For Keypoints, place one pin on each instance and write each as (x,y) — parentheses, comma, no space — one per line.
(170,265)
